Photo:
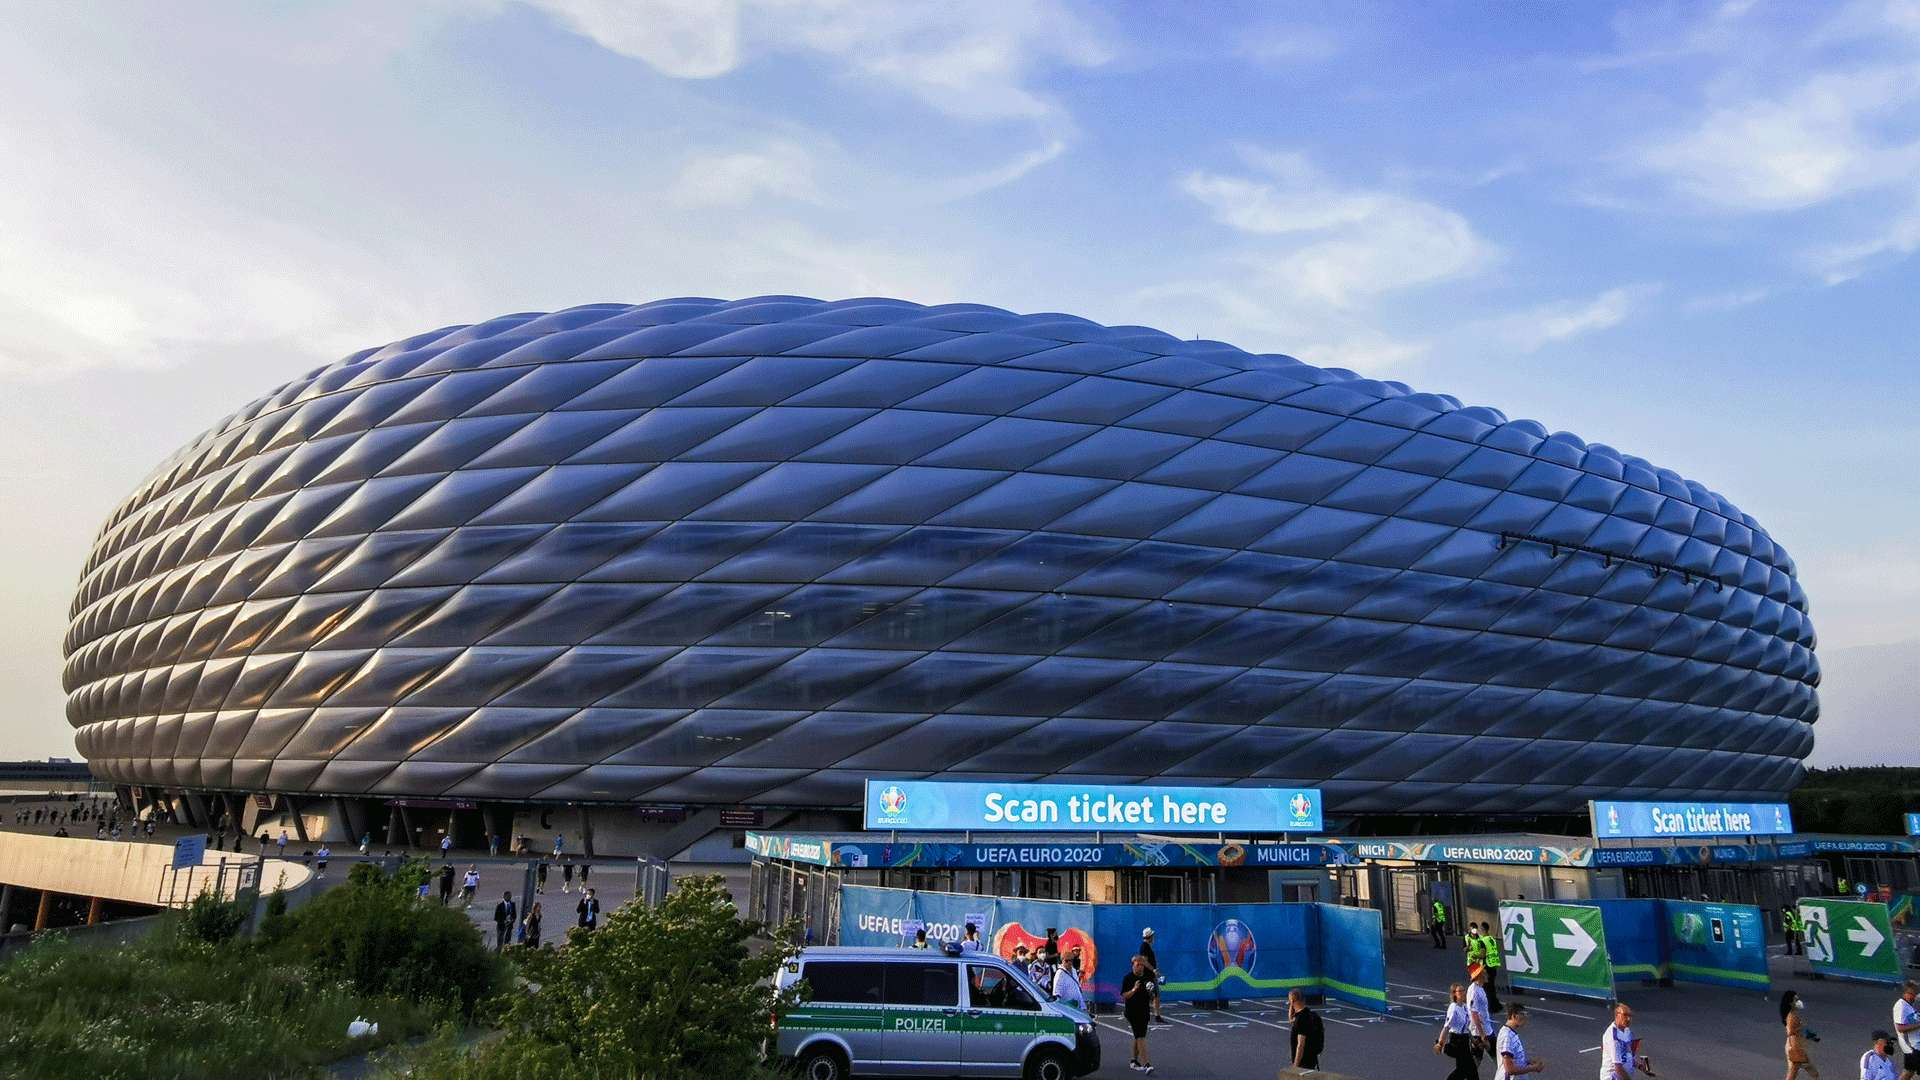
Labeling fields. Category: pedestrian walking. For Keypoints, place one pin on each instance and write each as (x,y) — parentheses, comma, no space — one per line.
(1620,1053)
(1481,1015)
(306,857)
(559,844)
(446,884)
(469,885)
(1510,1054)
(1878,1062)
(919,939)
(280,845)
(1791,926)
(566,874)
(540,877)
(1456,1036)
(446,845)
(320,860)
(504,914)
(1136,996)
(589,910)
(1153,965)
(1066,982)
(1798,1059)
(1906,1030)
(533,926)
(366,842)
(1437,924)
(586,871)
(493,843)
(1472,941)
(1051,949)
(1306,1035)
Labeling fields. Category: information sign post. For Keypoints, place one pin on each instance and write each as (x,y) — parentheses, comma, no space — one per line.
(1556,947)
(1850,939)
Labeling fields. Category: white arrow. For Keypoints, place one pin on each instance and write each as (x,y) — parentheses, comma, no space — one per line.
(1870,939)
(1579,942)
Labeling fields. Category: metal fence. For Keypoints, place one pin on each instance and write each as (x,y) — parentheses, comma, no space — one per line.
(228,879)
(782,891)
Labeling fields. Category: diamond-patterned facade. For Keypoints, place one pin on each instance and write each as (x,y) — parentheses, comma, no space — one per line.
(719,552)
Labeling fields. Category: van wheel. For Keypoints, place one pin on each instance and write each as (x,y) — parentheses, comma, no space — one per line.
(822,1063)
(1049,1064)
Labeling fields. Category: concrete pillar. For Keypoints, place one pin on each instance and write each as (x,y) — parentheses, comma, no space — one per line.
(396,829)
(93,911)
(46,906)
(586,831)
(6,904)
(406,826)
(299,822)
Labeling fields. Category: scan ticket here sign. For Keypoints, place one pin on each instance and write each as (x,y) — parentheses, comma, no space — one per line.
(928,804)
(1647,819)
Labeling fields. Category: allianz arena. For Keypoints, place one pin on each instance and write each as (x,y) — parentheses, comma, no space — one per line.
(712,553)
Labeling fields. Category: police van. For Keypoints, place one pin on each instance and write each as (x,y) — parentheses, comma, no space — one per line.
(921,1012)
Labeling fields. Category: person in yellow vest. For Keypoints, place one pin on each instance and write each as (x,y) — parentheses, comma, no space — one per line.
(1475,943)
(1490,957)
(1437,925)
(1791,926)
(1845,889)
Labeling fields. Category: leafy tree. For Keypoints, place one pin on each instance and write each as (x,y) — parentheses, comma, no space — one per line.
(662,993)
(210,920)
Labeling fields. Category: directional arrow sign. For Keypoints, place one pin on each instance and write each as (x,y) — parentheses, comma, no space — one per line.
(1568,954)
(1848,939)
(1869,937)
(1578,943)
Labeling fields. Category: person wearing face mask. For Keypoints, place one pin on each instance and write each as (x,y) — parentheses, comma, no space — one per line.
(1798,1060)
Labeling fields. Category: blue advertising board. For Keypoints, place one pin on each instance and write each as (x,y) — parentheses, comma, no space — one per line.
(1640,819)
(1913,824)
(1206,952)
(1716,944)
(906,805)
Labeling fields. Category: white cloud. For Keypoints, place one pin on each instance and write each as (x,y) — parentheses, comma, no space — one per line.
(1338,245)
(1804,147)
(962,187)
(1546,324)
(686,39)
(1729,300)
(971,60)
(781,168)
(1897,238)
(1287,46)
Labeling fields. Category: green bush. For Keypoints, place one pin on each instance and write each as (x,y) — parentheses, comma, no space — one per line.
(210,920)
(376,934)
(274,924)
(664,993)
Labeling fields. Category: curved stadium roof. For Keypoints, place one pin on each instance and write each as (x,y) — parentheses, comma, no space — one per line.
(753,551)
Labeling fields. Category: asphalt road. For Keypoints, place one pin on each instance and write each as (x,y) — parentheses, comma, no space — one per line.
(1690,1032)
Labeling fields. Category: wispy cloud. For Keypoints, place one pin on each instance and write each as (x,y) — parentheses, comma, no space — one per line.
(779,168)
(974,60)
(1341,245)
(1546,324)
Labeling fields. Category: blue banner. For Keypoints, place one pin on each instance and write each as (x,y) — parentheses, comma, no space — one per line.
(925,804)
(1716,944)
(1913,824)
(1634,941)
(1206,952)
(1636,819)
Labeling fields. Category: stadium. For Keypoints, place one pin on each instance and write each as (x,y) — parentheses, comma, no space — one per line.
(701,555)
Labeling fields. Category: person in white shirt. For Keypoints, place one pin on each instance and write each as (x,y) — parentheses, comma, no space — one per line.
(1066,982)
(1456,1037)
(1482,1017)
(1906,1030)
(1510,1055)
(1877,1063)
(971,943)
(1617,1058)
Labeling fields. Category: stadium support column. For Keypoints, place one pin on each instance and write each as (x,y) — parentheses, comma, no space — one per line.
(46,907)
(93,911)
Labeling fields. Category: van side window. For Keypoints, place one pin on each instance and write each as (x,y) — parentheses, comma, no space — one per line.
(923,984)
(844,981)
(992,988)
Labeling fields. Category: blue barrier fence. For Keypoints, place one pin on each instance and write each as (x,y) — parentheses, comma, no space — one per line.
(1205,952)
(1686,941)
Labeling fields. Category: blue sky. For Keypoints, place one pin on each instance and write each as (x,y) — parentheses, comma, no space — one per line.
(1687,231)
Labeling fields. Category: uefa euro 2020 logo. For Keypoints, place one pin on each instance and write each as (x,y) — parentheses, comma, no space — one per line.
(1232,945)
(1302,807)
(893,801)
